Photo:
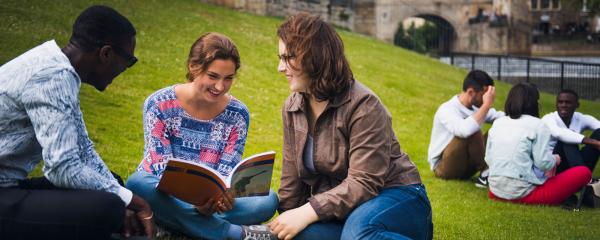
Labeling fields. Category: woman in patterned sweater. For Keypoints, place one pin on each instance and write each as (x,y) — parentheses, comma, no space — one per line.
(200,121)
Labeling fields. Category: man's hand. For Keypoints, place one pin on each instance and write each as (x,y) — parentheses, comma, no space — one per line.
(592,142)
(288,224)
(143,214)
(487,102)
(131,226)
(489,96)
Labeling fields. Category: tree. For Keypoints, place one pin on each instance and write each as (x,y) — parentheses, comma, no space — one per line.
(421,39)
(594,6)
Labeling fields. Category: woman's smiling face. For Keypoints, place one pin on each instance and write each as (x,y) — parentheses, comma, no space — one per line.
(215,82)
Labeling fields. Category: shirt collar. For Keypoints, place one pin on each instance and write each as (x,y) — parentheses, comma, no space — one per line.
(297,102)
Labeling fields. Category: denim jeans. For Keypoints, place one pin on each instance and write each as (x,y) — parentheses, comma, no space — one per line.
(401,212)
(183,217)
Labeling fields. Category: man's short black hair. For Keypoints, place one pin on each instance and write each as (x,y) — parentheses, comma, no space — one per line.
(569,91)
(100,25)
(477,80)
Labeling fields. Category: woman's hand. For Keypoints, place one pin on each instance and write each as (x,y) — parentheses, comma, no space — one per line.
(225,203)
(208,208)
(552,172)
(557,158)
(221,203)
(288,224)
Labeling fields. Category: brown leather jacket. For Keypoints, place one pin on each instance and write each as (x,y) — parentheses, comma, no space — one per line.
(356,154)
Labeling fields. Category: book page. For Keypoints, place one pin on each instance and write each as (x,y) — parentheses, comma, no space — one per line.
(252,177)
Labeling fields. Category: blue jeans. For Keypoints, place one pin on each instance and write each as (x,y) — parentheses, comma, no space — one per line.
(183,217)
(401,212)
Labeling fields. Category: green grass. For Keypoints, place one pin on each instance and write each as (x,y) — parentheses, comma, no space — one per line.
(410,85)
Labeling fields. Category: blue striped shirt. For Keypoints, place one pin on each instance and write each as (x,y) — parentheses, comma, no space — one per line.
(40,118)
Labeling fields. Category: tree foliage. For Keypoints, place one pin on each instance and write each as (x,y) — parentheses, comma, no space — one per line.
(423,39)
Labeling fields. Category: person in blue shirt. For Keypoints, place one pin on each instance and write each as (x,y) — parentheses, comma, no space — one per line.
(40,119)
(519,156)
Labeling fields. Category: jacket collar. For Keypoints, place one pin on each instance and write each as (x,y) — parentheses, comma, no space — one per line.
(297,101)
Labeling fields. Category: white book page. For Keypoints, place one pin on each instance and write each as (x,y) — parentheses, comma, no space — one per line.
(228,180)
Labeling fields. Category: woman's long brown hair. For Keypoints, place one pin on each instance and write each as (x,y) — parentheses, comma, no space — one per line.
(318,51)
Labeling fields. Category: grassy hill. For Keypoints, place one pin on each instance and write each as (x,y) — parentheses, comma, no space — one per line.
(412,86)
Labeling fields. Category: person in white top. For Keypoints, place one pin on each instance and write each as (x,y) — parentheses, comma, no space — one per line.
(567,126)
(456,148)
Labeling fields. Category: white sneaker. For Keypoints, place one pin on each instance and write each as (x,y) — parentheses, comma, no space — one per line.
(257,232)
(481,182)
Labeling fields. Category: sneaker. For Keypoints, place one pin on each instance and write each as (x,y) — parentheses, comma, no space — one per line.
(570,203)
(591,196)
(481,182)
(257,232)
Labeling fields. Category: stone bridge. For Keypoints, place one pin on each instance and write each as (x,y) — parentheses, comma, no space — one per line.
(381,18)
(452,18)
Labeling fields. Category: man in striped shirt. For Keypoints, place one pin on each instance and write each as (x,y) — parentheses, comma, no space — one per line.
(40,119)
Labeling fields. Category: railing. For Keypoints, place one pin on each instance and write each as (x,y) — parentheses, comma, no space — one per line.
(549,75)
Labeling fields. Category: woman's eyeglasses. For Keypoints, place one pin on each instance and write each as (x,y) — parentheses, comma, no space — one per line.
(285,57)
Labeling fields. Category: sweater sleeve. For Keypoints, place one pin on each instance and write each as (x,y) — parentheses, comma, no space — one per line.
(456,125)
(157,144)
(493,114)
(563,134)
(590,122)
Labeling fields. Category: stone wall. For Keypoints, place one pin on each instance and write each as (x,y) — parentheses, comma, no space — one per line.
(357,15)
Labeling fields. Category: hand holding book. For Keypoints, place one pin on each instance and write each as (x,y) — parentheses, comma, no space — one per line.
(220,204)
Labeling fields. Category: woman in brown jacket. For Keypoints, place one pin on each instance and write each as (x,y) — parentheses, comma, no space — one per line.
(343,174)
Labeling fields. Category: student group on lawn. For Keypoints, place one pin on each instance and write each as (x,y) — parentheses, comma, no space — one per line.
(343,174)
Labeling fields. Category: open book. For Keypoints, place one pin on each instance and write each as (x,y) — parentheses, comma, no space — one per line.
(195,183)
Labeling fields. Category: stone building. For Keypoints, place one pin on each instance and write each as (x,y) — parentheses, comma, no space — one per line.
(480,26)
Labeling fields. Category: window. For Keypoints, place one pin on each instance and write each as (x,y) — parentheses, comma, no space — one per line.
(538,5)
(545,4)
(556,4)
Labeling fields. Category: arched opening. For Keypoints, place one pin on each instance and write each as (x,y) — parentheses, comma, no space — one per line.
(428,34)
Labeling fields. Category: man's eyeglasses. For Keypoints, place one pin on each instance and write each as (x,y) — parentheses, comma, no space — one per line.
(131,60)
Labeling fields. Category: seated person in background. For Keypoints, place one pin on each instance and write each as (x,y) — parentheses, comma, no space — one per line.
(457,145)
(40,118)
(517,146)
(566,127)
(201,122)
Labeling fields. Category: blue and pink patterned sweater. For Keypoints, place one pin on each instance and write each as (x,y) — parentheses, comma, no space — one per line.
(169,131)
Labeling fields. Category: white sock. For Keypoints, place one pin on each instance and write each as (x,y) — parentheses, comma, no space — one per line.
(485,173)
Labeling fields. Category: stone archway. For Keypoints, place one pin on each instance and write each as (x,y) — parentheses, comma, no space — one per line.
(444,35)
